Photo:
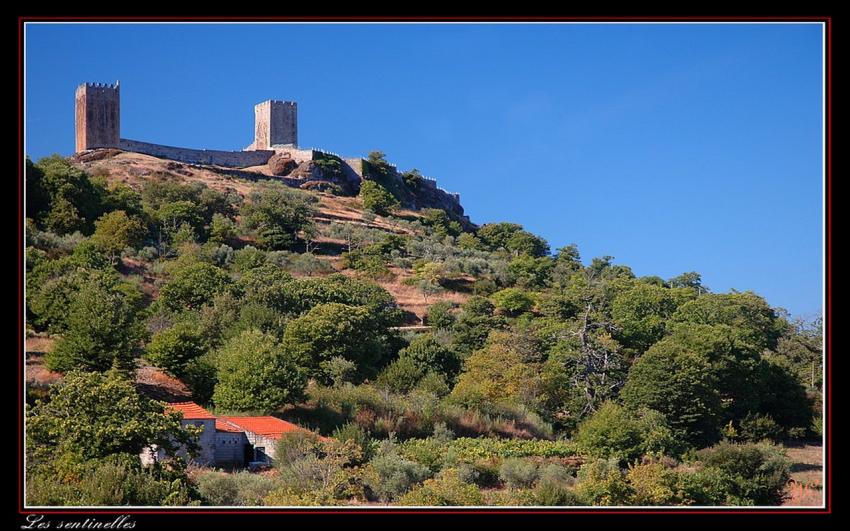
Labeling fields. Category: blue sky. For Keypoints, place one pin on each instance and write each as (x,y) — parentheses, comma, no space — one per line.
(673,147)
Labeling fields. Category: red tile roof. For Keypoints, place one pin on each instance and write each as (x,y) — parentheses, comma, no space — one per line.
(191,410)
(271,427)
(221,425)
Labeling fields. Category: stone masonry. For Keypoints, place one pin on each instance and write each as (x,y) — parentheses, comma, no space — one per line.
(98,125)
(98,116)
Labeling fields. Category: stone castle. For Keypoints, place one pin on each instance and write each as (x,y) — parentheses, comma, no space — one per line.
(98,125)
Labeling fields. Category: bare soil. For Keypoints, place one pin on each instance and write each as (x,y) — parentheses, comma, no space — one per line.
(806,485)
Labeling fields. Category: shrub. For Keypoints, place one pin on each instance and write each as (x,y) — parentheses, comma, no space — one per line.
(615,432)
(173,348)
(218,488)
(518,473)
(440,315)
(200,375)
(350,431)
(447,489)
(512,301)
(754,473)
(275,214)
(101,330)
(429,354)
(248,258)
(601,482)
(315,469)
(755,428)
(252,488)
(118,479)
(653,484)
(400,376)
(389,475)
(377,199)
(193,285)
(554,487)
(334,329)
(339,370)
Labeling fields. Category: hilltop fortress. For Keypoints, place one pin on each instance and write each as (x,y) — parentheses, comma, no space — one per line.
(98,126)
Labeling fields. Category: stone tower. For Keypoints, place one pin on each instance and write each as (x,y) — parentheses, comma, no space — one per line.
(98,116)
(276,124)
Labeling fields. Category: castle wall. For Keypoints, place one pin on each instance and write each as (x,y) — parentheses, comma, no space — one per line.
(97,116)
(234,159)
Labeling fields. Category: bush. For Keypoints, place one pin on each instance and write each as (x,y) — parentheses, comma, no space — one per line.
(192,286)
(553,488)
(116,480)
(174,348)
(329,330)
(512,301)
(429,355)
(601,482)
(754,474)
(400,376)
(440,315)
(471,450)
(200,375)
(313,469)
(653,484)
(615,432)
(518,473)
(389,475)
(339,370)
(447,489)
(350,431)
(101,330)
(377,199)
(218,488)
(275,214)
(755,428)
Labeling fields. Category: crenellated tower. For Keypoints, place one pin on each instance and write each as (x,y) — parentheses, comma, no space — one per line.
(276,124)
(98,116)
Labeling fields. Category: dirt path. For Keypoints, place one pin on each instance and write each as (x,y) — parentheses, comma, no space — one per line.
(806,486)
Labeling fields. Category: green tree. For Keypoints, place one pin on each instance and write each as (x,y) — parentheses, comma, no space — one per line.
(115,231)
(748,315)
(193,285)
(677,380)
(377,199)
(512,238)
(530,273)
(512,301)
(276,214)
(440,315)
(337,330)
(429,355)
(101,330)
(66,200)
(641,313)
(498,374)
(691,279)
(92,415)
(222,229)
(614,431)
(256,372)
(174,348)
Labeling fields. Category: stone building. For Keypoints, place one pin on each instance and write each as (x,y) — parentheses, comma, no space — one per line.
(229,441)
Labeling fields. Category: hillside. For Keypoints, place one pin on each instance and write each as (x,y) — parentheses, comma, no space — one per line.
(334,213)
(442,363)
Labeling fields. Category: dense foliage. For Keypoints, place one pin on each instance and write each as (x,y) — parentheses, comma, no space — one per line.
(540,380)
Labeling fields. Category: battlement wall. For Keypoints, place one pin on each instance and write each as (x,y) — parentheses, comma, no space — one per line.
(232,159)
